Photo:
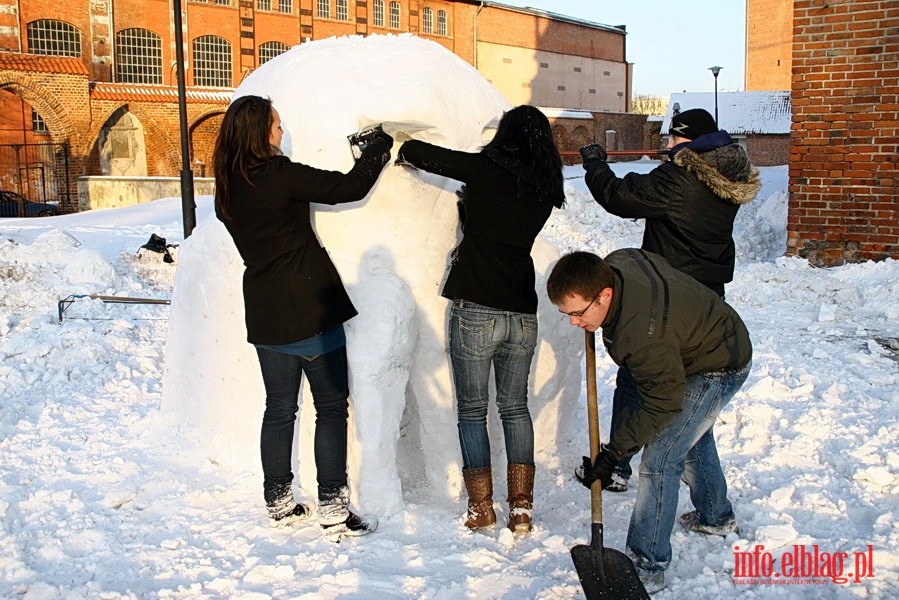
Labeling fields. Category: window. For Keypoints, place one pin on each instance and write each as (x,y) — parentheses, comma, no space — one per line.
(378,13)
(394,15)
(212,61)
(270,50)
(442,28)
(138,56)
(343,13)
(427,21)
(37,124)
(263,4)
(324,9)
(222,2)
(54,38)
(285,6)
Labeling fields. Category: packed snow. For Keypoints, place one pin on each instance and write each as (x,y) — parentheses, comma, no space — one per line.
(110,492)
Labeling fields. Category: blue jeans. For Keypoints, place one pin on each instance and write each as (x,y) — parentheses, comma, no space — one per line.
(327,376)
(686,450)
(481,336)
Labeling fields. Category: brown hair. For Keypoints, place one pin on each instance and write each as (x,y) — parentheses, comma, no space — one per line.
(581,273)
(242,145)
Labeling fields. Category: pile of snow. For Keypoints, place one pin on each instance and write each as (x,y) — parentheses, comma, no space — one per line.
(108,494)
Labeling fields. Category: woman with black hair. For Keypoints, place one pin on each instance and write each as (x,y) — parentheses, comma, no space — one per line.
(295,303)
(510,189)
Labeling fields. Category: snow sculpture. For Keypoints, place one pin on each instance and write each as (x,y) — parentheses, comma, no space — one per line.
(391,250)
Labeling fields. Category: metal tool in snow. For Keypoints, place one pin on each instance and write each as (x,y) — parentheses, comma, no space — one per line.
(66,302)
(605,574)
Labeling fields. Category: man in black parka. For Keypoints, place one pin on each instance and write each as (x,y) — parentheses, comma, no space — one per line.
(689,204)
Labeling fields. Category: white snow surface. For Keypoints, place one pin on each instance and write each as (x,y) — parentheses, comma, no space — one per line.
(110,492)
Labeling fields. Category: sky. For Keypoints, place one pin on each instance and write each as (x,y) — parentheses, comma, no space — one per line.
(672,44)
(129,432)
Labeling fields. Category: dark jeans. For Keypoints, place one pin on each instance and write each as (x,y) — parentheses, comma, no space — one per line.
(327,376)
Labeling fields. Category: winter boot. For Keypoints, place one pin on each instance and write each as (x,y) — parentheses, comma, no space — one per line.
(479,483)
(521,496)
(283,510)
(335,517)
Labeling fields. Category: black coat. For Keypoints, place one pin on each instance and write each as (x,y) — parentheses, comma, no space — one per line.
(689,205)
(492,264)
(291,289)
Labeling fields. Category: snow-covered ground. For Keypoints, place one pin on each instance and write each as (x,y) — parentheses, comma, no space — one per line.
(105,495)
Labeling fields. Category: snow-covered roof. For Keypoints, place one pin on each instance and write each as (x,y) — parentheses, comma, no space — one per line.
(739,113)
(566,113)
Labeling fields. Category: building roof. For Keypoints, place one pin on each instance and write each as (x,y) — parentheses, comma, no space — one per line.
(739,113)
(157,93)
(555,16)
(43,64)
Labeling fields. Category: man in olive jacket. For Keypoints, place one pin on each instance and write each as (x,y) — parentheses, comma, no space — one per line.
(688,352)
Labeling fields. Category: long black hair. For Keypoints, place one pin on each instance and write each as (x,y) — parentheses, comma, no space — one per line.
(242,145)
(524,133)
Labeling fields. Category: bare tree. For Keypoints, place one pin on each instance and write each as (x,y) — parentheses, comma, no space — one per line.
(644,104)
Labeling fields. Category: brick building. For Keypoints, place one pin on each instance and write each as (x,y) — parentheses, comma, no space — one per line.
(91,84)
(844,144)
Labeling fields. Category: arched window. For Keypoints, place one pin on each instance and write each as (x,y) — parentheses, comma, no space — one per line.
(343,11)
(394,15)
(54,38)
(138,56)
(212,61)
(427,21)
(442,28)
(270,50)
(323,9)
(378,13)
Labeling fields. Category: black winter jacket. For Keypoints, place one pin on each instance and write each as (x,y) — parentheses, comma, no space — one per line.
(492,264)
(664,326)
(291,289)
(689,205)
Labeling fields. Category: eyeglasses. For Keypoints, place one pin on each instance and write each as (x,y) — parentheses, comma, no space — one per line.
(580,313)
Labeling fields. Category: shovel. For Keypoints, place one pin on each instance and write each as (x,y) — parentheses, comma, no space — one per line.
(604,573)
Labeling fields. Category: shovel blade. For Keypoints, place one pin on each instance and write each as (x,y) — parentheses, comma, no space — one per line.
(607,574)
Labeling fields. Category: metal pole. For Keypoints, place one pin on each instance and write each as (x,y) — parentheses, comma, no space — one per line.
(715,71)
(188,206)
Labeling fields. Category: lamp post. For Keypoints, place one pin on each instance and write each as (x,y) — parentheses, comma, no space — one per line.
(715,71)
(188,206)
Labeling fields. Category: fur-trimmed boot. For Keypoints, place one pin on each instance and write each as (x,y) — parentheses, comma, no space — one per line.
(521,496)
(283,510)
(479,484)
(335,517)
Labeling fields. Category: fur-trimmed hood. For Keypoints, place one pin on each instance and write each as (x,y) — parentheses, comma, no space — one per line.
(725,170)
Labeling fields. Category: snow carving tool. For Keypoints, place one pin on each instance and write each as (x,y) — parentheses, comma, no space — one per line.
(604,573)
(360,139)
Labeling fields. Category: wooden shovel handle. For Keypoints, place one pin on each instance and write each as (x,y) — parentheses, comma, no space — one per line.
(593,422)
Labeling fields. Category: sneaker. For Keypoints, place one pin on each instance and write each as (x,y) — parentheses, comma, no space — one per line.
(691,522)
(294,516)
(652,581)
(618,483)
(353,526)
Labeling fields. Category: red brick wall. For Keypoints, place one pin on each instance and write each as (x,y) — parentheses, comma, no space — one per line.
(844,151)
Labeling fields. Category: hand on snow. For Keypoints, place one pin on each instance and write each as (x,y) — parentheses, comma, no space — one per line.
(602,470)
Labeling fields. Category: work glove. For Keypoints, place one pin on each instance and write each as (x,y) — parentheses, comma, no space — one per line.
(381,137)
(378,144)
(593,152)
(602,470)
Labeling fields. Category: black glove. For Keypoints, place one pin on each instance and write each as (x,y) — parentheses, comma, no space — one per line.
(381,138)
(593,151)
(602,470)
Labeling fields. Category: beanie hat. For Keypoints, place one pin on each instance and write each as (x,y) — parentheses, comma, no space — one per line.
(692,123)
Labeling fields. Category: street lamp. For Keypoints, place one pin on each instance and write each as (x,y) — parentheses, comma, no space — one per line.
(715,71)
